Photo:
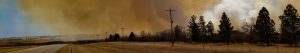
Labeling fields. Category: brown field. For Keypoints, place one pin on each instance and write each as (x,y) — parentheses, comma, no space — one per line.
(14,48)
(156,47)
(164,47)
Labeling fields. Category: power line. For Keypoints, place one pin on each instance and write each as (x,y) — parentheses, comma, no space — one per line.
(171,20)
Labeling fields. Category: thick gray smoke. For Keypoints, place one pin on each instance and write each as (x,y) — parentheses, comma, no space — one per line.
(240,11)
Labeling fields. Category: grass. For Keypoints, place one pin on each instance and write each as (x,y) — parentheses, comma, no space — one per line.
(164,47)
(14,48)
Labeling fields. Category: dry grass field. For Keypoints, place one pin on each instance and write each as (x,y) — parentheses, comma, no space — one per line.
(164,47)
(150,47)
(14,48)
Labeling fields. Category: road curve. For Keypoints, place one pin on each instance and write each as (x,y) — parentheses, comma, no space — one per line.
(41,49)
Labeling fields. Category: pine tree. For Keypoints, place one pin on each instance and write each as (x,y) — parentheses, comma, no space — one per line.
(290,25)
(111,37)
(202,29)
(178,32)
(210,28)
(131,37)
(225,28)
(116,37)
(210,31)
(193,29)
(264,27)
(143,36)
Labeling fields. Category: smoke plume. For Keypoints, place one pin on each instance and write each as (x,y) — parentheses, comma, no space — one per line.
(68,17)
(240,11)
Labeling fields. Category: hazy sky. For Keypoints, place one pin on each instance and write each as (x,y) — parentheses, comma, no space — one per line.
(69,17)
(14,23)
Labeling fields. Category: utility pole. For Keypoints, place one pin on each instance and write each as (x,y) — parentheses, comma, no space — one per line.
(122,18)
(171,20)
(106,33)
(123,30)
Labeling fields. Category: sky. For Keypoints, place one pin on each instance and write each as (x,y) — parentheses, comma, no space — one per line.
(73,17)
(13,23)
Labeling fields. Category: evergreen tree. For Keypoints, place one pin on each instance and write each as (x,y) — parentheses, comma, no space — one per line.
(202,29)
(178,32)
(225,28)
(116,37)
(143,36)
(210,31)
(111,37)
(264,27)
(193,29)
(210,28)
(290,25)
(131,37)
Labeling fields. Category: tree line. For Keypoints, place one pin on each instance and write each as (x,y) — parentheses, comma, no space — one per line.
(261,32)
